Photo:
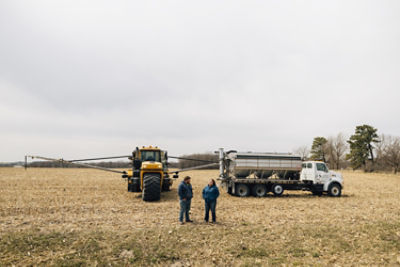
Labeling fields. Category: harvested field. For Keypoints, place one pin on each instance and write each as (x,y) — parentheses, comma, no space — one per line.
(82,216)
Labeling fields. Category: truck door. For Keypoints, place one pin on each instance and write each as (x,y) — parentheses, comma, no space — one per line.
(322,173)
(307,172)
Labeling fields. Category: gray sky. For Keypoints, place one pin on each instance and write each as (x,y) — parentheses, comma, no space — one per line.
(93,78)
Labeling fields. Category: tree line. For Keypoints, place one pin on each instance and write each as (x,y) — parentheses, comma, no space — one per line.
(365,149)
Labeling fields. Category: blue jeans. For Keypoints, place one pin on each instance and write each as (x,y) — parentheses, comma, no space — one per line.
(185,208)
(210,205)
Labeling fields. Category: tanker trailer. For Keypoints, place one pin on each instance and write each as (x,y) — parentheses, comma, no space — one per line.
(245,173)
(263,165)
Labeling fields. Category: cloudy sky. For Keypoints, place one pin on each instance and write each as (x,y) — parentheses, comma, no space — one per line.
(94,78)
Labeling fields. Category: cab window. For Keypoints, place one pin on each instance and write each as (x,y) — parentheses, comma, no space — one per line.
(322,167)
(150,155)
(309,165)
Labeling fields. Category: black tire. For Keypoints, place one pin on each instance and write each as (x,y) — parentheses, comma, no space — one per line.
(277,189)
(166,185)
(151,187)
(259,190)
(242,190)
(335,190)
(130,187)
(229,189)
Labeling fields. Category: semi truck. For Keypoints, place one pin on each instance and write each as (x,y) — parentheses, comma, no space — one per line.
(246,173)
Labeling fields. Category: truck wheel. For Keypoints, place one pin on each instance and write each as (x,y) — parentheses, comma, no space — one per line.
(242,190)
(151,187)
(259,190)
(335,190)
(277,189)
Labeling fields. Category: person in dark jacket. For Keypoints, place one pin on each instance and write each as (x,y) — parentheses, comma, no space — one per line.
(210,195)
(185,193)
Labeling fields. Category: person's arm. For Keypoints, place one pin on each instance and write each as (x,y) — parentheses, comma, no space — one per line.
(217,193)
(180,191)
(204,193)
(191,190)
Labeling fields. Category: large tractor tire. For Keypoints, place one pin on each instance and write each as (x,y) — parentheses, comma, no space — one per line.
(166,184)
(151,187)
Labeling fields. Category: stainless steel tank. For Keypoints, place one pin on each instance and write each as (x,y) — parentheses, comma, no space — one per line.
(263,165)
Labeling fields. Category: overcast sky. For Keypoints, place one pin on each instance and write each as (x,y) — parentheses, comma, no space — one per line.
(94,78)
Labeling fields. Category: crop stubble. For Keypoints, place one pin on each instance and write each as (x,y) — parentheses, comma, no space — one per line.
(83,216)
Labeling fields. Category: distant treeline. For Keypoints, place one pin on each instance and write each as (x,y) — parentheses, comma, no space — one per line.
(205,158)
(11,164)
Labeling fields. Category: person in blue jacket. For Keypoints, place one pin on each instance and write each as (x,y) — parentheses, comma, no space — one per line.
(185,193)
(210,195)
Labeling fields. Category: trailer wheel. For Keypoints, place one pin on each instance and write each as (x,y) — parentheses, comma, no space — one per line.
(277,189)
(335,190)
(259,190)
(242,190)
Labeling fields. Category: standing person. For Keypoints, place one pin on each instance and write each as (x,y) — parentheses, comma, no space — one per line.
(210,195)
(185,198)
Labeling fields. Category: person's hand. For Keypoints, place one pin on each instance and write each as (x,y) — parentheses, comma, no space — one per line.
(184,199)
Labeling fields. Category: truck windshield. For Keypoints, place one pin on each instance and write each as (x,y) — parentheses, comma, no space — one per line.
(150,155)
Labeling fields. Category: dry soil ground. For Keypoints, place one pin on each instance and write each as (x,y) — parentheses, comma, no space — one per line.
(81,216)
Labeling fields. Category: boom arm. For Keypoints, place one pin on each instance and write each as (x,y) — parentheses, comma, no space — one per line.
(193,168)
(75,163)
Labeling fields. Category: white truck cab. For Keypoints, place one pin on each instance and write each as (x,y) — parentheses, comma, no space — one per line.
(316,173)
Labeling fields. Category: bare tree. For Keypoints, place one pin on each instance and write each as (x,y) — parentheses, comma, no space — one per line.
(340,148)
(329,152)
(335,149)
(302,151)
(391,152)
(380,153)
